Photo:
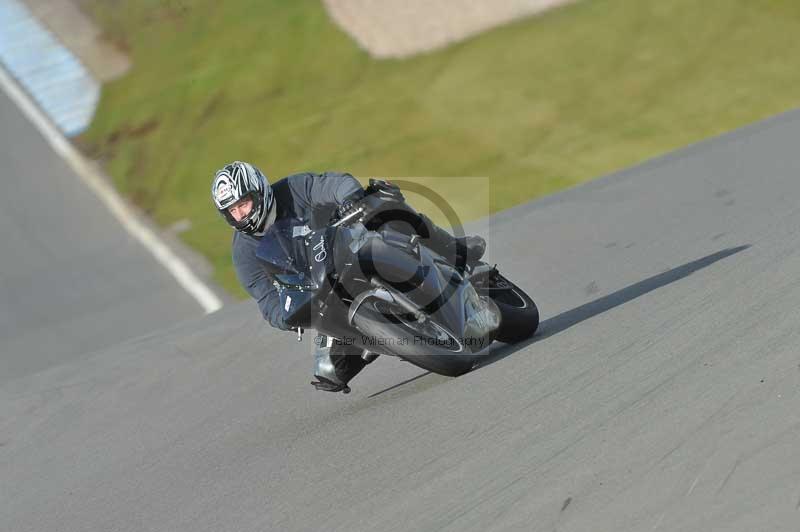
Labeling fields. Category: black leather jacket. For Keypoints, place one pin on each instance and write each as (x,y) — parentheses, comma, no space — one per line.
(307,199)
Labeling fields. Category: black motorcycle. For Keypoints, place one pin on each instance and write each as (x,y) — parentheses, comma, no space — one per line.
(382,290)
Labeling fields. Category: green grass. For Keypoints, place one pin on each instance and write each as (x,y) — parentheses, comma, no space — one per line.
(537,106)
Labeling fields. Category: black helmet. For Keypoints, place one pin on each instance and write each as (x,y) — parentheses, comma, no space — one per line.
(236,181)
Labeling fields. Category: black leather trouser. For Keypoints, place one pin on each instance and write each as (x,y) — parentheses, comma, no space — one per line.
(401,217)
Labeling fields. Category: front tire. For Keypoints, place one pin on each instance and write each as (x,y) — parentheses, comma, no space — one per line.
(441,356)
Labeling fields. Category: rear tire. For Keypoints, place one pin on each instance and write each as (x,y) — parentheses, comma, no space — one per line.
(441,360)
(519,316)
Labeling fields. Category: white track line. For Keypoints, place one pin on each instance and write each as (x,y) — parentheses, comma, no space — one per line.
(92,179)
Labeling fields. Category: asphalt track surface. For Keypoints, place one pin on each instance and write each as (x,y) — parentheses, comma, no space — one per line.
(662,392)
(72,280)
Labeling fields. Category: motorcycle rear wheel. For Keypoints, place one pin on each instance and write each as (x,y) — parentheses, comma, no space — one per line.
(519,314)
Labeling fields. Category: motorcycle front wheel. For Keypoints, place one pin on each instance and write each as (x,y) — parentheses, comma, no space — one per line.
(425,344)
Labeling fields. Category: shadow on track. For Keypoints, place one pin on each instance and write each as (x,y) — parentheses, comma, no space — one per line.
(565,320)
(390,388)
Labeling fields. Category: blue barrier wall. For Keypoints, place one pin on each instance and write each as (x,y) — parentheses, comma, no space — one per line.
(49,72)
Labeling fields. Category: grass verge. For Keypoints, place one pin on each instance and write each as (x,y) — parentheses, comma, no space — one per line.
(537,106)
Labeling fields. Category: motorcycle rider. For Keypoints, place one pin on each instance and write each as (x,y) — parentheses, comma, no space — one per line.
(250,204)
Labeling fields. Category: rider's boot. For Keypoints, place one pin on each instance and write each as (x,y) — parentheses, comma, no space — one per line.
(335,364)
(469,248)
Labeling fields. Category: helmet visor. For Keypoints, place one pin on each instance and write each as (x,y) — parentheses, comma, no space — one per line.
(242,209)
(241,213)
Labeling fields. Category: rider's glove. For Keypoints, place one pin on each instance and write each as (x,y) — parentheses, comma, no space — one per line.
(277,321)
(346,208)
